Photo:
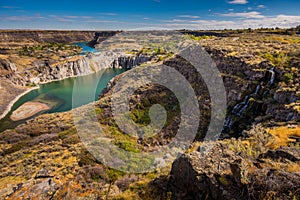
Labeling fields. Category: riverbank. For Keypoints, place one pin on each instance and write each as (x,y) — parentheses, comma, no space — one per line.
(16,97)
(10,95)
(28,109)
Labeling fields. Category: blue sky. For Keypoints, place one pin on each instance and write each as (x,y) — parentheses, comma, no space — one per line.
(148,14)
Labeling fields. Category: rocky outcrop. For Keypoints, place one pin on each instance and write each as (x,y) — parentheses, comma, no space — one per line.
(43,72)
(8,66)
(127,62)
(226,174)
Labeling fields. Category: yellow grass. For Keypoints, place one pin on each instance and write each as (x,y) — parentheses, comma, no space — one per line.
(282,136)
(295,167)
(10,180)
(3,56)
(71,59)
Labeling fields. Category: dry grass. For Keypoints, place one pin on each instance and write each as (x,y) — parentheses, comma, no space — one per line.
(282,136)
(295,167)
(71,59)
(13,180)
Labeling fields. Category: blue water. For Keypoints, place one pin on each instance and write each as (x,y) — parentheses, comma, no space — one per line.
(59,94)
(85,49)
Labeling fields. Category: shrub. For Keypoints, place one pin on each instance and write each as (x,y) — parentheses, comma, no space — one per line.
(287,77)
(64,134)
(14,148)
(85,158)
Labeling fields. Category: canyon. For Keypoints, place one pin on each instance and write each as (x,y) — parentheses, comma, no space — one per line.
(257,156)
(20,79)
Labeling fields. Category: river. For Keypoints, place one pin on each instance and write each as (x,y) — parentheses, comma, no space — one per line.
(58,94)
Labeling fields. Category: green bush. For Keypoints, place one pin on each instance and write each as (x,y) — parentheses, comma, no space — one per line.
(85,158)
(127,145)
(140,116)
(287,77)
(64,134)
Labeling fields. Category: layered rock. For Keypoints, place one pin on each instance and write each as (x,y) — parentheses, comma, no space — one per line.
(43,72)
(18,37)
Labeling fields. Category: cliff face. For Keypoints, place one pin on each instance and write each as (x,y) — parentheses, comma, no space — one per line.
(15,37)
(101,36)
(43,72)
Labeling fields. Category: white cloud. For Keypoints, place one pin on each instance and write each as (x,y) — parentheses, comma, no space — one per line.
(10,7)
(23,18)
(189,16)
(248,15)
(109,14)
(199,24)
(238,2)
(261,6)
(175,21)
(101,21)
(77,17)
(62,19)
(72,17)
(17,18)
(87,17)
(282,21)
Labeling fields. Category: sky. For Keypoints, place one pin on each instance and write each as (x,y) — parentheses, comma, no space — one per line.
(148,14)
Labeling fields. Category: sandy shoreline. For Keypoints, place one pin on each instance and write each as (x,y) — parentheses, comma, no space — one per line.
(28,109)
(10,105)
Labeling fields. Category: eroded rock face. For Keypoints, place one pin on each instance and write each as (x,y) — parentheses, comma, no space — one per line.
(223,174)
(43,72)
(8,66)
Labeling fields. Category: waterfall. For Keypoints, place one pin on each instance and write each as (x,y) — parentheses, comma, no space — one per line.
(265,92)
(243,109)
(272,75)
(228,123)
(239,109)
(257,89)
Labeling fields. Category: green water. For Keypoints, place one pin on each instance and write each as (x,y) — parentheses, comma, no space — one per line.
(59,94)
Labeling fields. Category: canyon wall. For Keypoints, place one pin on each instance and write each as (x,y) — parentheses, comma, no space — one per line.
(17,37)
(101,36)
(42,72)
